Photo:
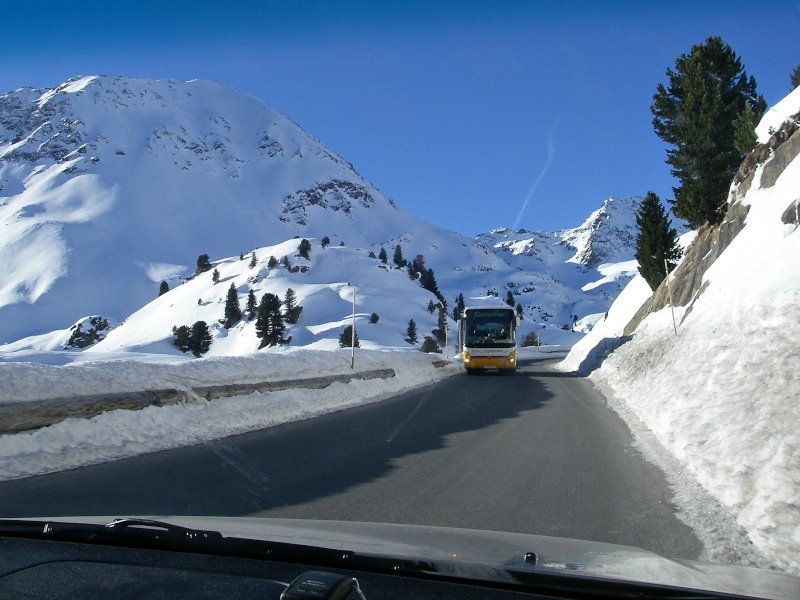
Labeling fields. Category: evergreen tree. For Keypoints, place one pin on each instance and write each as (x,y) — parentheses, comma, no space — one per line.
(398,259)
(269,321)
(371,254)
(181,338)
(744,133)
(304,248)
(203,264)
(382,255)
(253,260)
(252,304)
(794,79)
(233,312)
(510,298)
(428,281)
(431,306)
(325,241)
(411,332)
(241,255)
(430,345)
(163,288)
(272,262)
(458,309)
(285,263)
(215,276)
(440,333)
(373,319)
(655,241)
(520,312)
(200,339)
(695,113)
(346,338)
(291,311)
(530,339)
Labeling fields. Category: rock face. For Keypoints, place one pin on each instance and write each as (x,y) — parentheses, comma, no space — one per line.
(687,280)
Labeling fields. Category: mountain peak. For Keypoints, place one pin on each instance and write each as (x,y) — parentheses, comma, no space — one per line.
(607,235)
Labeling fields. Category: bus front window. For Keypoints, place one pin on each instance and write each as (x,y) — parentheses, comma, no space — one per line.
(487,333)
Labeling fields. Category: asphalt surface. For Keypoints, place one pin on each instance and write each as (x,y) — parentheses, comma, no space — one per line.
(538,452)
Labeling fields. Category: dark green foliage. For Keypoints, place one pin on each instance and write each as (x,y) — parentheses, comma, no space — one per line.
(241,255)
(510,298)
(430,345)
(696,114)
(251,304)
(203,264)
(291,311)
(253,260)
(530,339)
(269,321)
(373,318)
(195,339)
(304,248)
(398,259)
(285,262)
(440,333)
(655,241)
(371,254)
(181,337)
(342,244)
(346,338)
(458,309)
(272,262)
(200,339)
(163,288)
(325,241)
(215,276)
(744,134)
(431,306)
(233,312)
(411,332)
(520,312)
(428,281)
(382,255)
(794,79)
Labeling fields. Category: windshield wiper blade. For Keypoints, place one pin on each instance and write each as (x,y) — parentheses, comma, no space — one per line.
(163,535)
(119,531)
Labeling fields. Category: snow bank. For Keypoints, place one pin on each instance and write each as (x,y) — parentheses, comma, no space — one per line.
(776,115)
(721,397)
(124,433)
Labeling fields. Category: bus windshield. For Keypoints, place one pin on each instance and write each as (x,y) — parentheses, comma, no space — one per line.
(490,328)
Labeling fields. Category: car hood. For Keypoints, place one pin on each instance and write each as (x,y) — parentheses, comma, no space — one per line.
(459,551)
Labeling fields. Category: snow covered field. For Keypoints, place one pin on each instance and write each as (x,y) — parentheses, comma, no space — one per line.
(124,433)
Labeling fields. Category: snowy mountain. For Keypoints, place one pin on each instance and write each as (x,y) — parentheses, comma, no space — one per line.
(572,272)
(110,185)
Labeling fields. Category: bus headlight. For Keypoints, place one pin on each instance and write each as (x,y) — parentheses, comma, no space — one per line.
(466,357)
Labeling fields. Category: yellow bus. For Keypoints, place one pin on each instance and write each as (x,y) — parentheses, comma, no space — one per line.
(487,339)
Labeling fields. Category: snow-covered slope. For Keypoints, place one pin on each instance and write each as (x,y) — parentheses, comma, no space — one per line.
(721,396)
(109,185)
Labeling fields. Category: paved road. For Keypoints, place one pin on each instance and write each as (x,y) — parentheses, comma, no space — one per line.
(536,453)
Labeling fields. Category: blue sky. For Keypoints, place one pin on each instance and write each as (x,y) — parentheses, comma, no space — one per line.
(469,114)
